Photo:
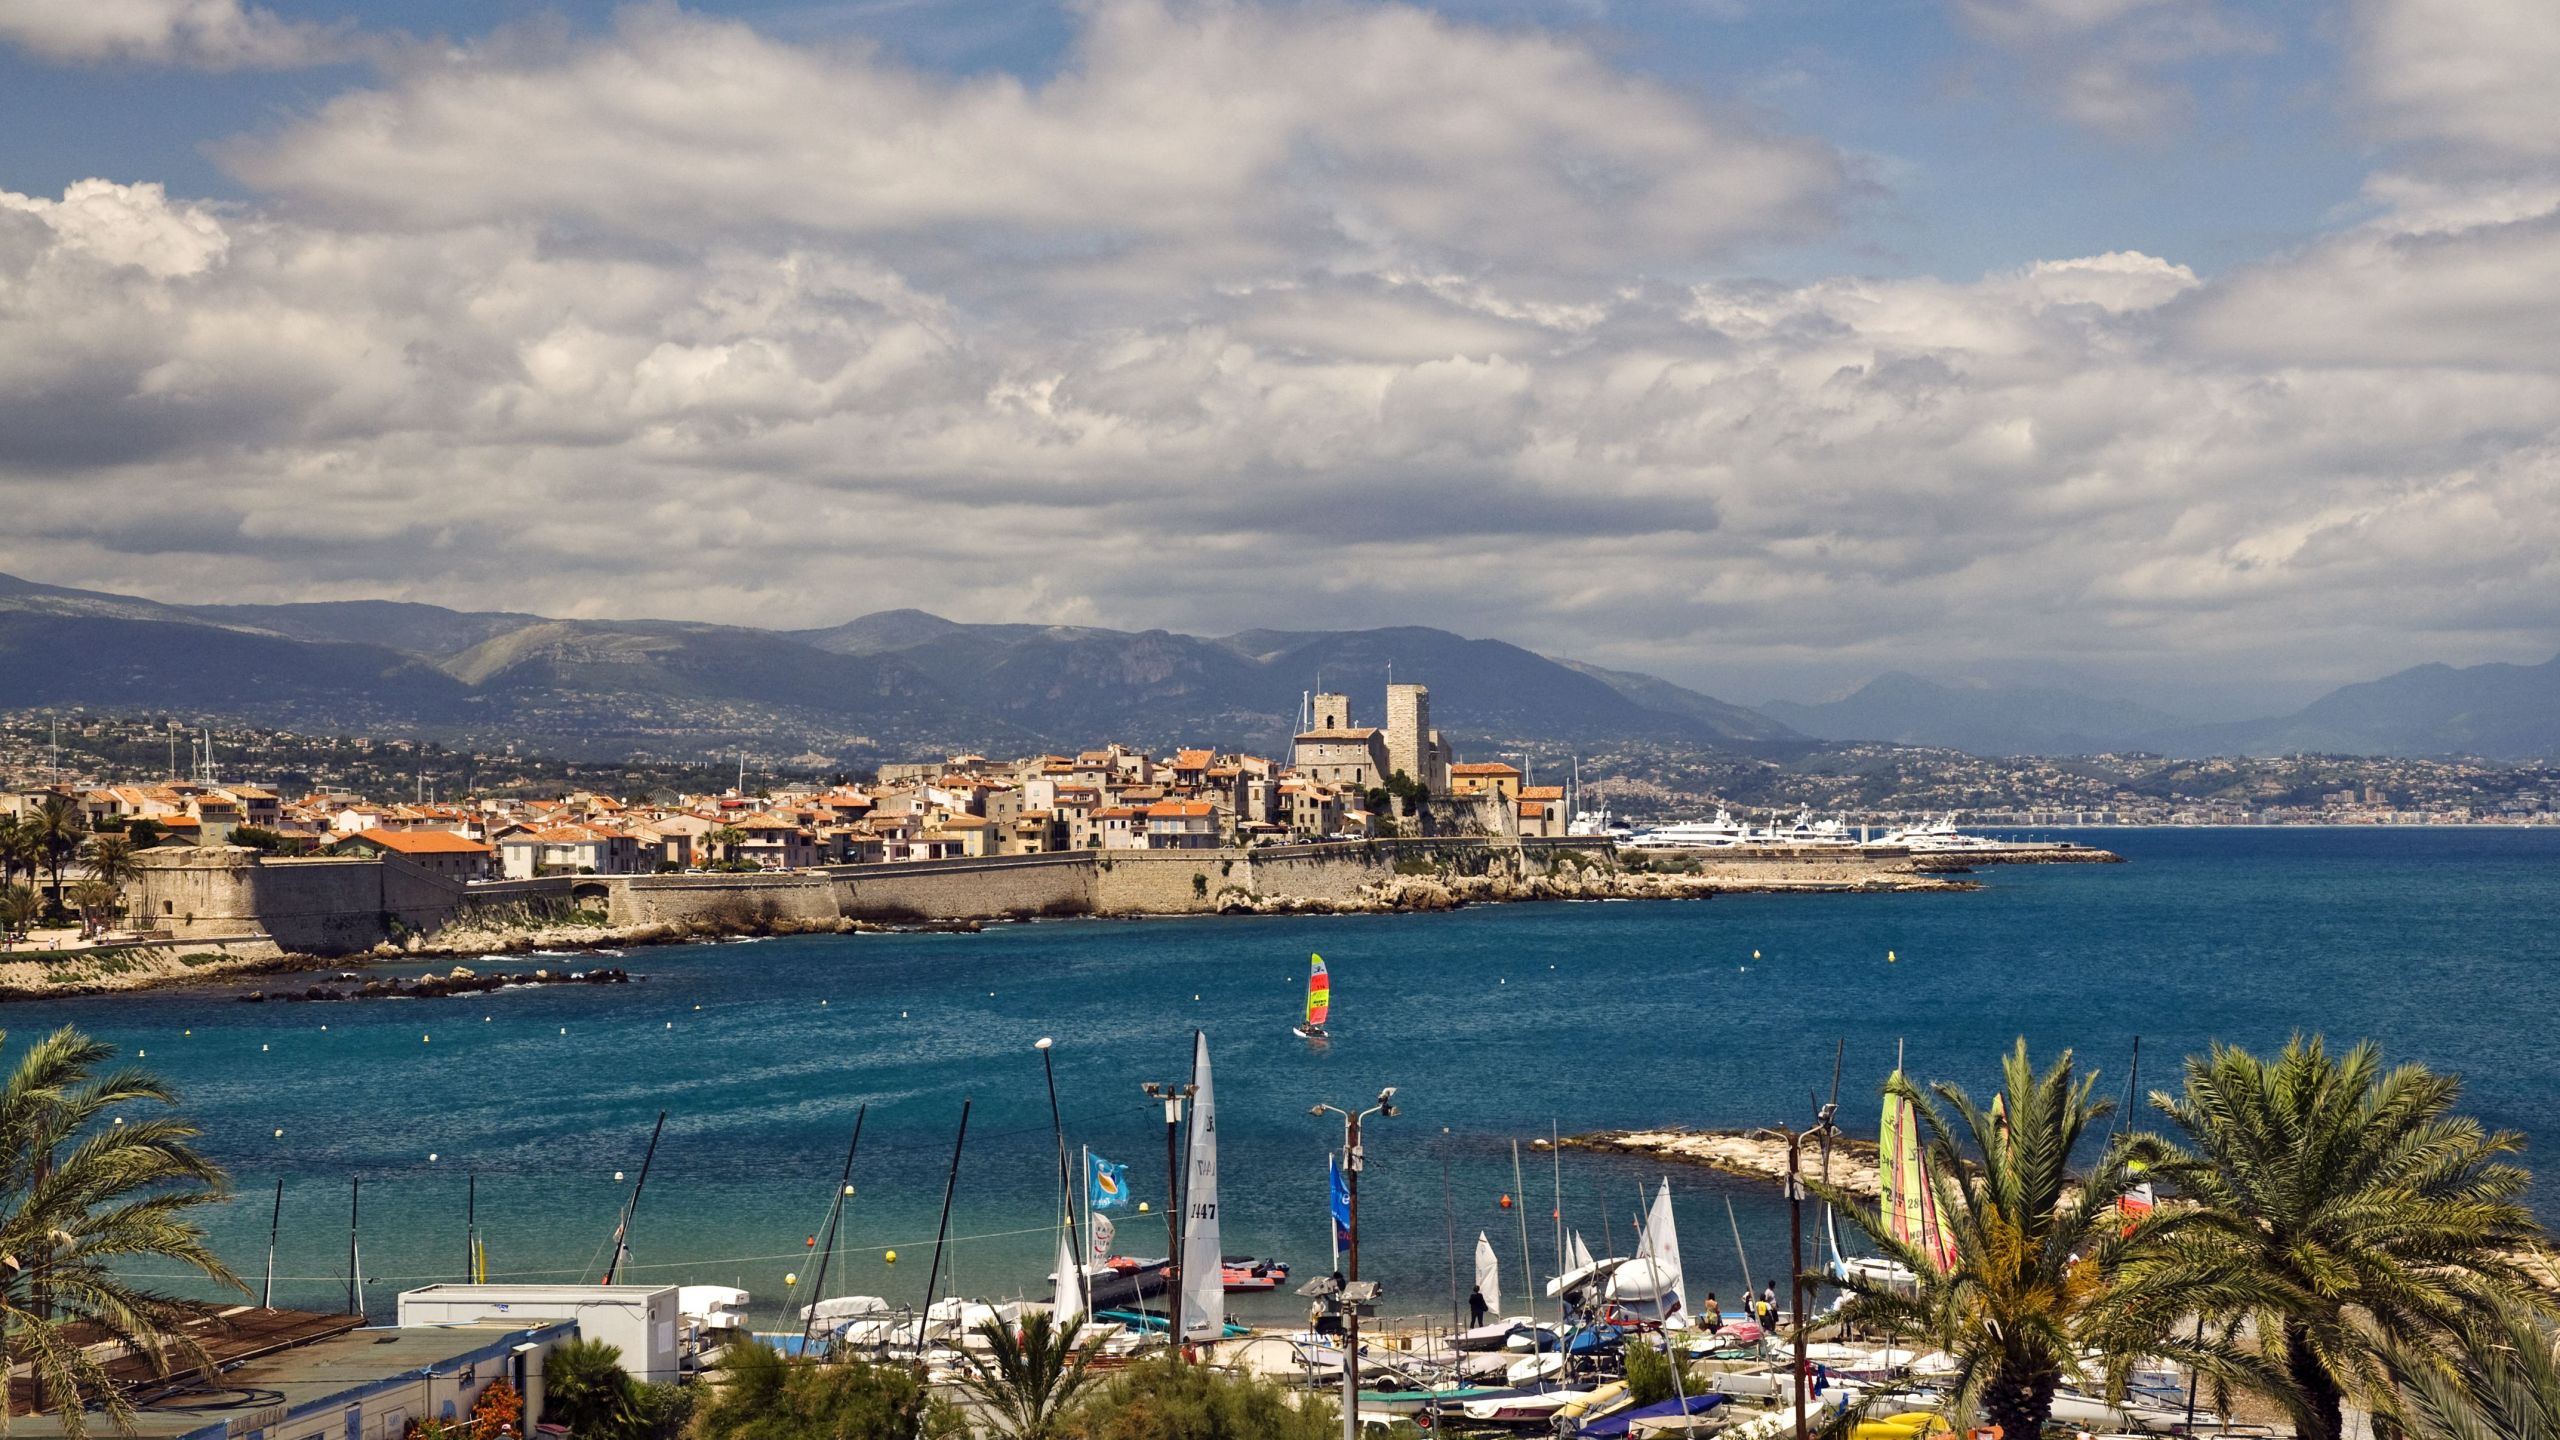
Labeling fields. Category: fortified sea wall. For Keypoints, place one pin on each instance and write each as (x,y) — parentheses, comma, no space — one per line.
(336,906)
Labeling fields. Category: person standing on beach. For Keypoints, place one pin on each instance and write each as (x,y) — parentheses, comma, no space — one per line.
(1475,1308)
(1769,1307)
(1714,1313)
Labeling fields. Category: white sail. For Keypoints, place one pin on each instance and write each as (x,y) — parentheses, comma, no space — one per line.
(1069,1304)
(1204,1290)
(1488,1275)
(1580,1254)
(1652,1279)
(1662,1241)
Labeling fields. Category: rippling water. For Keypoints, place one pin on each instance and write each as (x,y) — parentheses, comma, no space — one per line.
(1492,1023)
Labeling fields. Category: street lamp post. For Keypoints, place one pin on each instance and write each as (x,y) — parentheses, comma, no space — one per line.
(1354,1294)
(1823,1128)
(1172,1095)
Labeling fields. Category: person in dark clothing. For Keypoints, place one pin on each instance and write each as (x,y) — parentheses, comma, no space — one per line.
(1475,1307)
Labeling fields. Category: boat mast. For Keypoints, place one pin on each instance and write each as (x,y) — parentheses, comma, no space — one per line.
(275,1220)
(835,1213)
(631,1207)
(355,1252)
(1520,1211)
(951,1183)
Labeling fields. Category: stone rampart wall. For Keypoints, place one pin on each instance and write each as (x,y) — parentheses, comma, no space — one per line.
(998,886)
(712,901)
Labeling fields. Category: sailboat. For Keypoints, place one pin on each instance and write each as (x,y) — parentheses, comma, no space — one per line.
(1204,1292)
(1652,1281)
(1907,1198)
(1319,1001)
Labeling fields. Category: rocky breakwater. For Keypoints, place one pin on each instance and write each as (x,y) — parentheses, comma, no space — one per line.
(1737,1152)
(436,987)
(1444,890)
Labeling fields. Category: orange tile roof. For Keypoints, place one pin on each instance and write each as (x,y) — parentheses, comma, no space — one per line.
(1176,809)
(1488,768)
(421,842)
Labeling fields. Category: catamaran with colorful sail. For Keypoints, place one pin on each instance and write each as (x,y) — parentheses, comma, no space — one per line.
(1907,1195)
(1319,1001)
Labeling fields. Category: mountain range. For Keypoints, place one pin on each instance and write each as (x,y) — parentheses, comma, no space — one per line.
(2494,711)
(904,682)
(895,683)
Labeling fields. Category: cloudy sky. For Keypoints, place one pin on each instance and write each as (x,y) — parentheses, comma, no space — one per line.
(2206,350)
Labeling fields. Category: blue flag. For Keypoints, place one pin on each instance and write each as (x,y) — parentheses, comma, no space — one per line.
(1110,1185)
(1341,1204)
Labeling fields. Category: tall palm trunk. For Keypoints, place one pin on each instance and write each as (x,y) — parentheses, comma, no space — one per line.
(2323,1402)
(2019,1398)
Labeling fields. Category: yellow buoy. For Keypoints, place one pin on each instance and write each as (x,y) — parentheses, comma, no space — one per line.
(1142,1207)
(891,1257)
(791,1279)
(1888,958)
(426,1039)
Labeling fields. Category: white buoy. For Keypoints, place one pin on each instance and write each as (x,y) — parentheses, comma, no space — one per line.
(279,1134)
(431,1157)
(262,1049)
(617,1175)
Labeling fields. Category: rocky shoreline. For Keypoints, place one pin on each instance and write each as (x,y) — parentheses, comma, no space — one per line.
(1690,877)
(1740,1153)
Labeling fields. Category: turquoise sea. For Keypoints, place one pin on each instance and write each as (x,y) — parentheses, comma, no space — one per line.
(1492,1023)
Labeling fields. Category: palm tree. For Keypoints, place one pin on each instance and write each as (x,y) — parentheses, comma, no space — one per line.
(84,1200)
(2502,1384)
(1028,1379)
(19,849)
(97,901)
(725,839)
(58,827)
(586,1390)
(110,857)
(19,907)
(2338,1210)
(2038,1250)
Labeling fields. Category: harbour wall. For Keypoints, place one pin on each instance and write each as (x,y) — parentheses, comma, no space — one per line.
(338,906)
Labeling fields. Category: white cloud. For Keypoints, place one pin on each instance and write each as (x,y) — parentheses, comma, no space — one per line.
(1219,139)
(2114,66)
(987,367)
(2470,79)
(200,34)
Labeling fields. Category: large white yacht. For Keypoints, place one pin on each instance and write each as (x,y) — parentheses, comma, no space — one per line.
(1713,834)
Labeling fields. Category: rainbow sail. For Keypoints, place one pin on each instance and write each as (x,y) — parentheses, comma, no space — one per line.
(1908,1201)
(1319,992)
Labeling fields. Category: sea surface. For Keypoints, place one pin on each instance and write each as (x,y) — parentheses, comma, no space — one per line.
(1495,1024)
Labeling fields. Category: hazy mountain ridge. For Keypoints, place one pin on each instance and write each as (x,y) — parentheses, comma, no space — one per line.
(2493,711)
(1977,717)
(909,682)
(893,682)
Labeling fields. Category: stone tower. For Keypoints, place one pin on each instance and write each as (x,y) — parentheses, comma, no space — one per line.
(1409,731)
(1333,712)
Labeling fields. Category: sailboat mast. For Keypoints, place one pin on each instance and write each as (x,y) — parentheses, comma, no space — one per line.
(1555,1159)
(275,1221)
(835,1213)
(950,1184)
(1520,1211)
(471,1229)
(355,1251)
(631,1207)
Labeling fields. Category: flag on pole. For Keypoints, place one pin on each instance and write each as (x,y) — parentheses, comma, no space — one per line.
(1341,1205)
(1110,1185)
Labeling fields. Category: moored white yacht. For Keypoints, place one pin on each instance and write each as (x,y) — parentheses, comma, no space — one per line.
(1714,834)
